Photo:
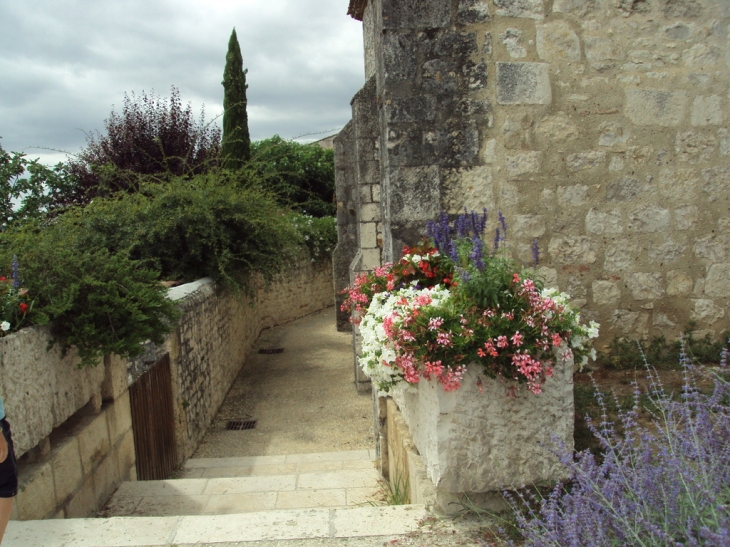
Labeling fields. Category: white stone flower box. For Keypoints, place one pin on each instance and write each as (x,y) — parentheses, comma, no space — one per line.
(477,442)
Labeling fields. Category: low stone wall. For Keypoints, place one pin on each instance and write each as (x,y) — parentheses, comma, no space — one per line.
(78,450)
(216,334)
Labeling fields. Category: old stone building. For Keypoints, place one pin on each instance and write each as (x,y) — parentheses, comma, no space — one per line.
(597,127)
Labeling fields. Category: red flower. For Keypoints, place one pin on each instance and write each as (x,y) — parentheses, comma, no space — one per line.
(23,307)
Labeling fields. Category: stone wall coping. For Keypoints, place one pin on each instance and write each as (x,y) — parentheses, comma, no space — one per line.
(183,291)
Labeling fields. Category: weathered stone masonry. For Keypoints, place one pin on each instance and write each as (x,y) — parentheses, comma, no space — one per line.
(599,127)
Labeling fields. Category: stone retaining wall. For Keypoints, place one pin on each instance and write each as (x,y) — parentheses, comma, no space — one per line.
(73,426)
(216,334)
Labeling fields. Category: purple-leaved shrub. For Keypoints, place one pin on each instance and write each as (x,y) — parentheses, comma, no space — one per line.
(667,484)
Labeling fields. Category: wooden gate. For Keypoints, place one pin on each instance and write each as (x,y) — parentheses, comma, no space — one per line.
(153,422)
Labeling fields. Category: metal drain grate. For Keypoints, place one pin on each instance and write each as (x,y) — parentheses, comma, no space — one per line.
(271,351)
(241,425)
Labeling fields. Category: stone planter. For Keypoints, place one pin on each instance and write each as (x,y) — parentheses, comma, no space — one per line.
(480,443)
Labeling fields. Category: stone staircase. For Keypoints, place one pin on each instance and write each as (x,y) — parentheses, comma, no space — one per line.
(263,500)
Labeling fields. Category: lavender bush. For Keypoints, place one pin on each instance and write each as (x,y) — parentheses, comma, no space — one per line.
(667,484)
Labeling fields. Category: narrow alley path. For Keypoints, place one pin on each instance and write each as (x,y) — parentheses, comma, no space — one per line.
(303,399)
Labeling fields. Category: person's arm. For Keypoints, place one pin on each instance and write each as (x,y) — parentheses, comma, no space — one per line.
(3,448)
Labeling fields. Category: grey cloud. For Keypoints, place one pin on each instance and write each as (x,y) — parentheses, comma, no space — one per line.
(64,64)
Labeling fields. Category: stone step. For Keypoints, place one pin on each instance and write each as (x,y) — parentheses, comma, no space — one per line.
(278,465)
(238,485)
(259,528)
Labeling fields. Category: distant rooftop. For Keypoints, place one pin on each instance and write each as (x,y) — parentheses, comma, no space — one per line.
(357,8)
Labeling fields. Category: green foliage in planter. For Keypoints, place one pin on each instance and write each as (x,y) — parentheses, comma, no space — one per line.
(99,302)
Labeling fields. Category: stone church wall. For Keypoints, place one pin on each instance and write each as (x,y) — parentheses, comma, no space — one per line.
(597,127)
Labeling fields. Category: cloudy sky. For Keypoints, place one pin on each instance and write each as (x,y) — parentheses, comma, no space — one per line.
(64,64)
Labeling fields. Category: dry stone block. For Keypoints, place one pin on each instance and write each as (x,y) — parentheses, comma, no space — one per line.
(576,194)
(724,138)
(678,185)
(717,282)
(681,8)
(706,312)
(512,39)
(94,442)
(712,247)
(522,164)
(692,146)
(662,320)
(36,497)
(84,503)
(649,218)
(527,227)
(630,322)
(67,472)
(472,189)
(717,182)
(617,163)
(416,14)
(624,189)
(611,134)
(572,250)
(125,456)
(678,283)
(415,193)
(473,11)
(621,256)
(605,292)
(557,42)
(368,235)
(655,106)
(585,160)
(667,251)
(557,128)
(579,7)
(701,55)
(490,151)
(598,222)
(707,111)
(532,9)
(509,195)
(370,212)
(600,49)
(678,31)
(646,286)
(523,83)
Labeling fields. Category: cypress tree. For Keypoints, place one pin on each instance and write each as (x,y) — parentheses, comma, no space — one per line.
(236,145)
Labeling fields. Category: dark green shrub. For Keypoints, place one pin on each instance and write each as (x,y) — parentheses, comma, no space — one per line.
(207,226)
(302,176)
(99,302)
(318,234)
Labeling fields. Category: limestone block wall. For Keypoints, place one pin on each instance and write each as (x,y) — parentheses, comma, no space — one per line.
(42,389)
(597,127)
(77,449)
(218,330)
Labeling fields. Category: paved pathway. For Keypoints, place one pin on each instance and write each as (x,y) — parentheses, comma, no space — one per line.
(304,399)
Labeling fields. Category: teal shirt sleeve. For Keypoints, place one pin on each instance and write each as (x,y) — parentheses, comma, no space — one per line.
(2,409)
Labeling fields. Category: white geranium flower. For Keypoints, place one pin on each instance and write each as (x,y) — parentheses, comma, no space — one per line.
(5,326)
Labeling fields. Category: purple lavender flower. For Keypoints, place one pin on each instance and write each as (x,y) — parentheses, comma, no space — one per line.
(666,485)
(535,253)
(476,255)
(497,239)
(503,222)
(15,274)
